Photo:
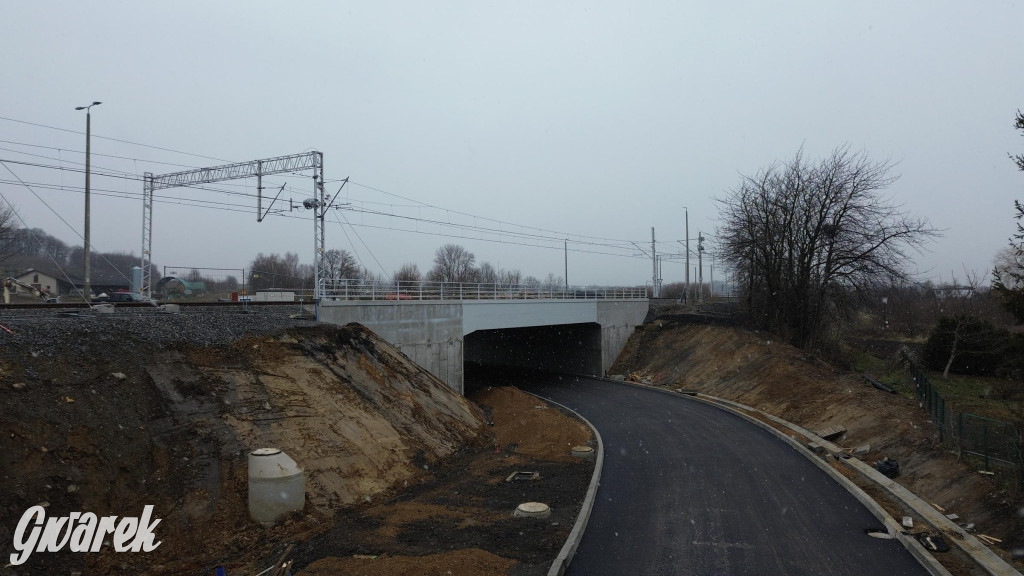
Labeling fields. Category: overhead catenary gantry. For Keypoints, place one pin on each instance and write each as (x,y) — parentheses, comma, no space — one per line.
(313,160)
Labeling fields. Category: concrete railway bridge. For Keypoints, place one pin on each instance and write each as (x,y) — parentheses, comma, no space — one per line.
(442,325)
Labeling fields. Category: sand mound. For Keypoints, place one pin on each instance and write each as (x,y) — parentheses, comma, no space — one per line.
(535,429)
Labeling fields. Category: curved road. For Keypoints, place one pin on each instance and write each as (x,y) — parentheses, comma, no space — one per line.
(691,489)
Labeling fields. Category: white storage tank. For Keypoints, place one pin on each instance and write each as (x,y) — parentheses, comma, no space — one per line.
(277,485)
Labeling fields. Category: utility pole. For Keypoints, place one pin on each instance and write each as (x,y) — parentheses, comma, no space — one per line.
(687,293)
(661,279)
(712,288)
(700,263)
(654,266)
(566,246)
(86,284)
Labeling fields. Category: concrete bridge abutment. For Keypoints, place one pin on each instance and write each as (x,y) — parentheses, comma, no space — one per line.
(573,335)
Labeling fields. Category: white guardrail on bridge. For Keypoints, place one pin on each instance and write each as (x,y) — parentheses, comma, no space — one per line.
(351,290)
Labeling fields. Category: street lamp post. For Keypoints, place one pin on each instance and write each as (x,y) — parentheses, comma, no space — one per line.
(86,288)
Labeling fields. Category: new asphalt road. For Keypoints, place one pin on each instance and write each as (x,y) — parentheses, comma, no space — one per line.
(691,489)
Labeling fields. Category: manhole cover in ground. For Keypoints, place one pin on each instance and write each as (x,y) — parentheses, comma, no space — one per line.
(532,510)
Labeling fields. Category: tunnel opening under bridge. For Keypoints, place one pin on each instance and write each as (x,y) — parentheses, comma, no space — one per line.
(491,357)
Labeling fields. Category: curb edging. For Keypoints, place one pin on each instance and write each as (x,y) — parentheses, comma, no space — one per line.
(565,555)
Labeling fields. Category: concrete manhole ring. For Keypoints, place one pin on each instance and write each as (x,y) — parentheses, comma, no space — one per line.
(585,452)
(532,510)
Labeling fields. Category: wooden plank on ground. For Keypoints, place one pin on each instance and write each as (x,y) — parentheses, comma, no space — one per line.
(831,433)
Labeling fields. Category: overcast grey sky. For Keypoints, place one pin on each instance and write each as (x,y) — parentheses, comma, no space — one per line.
(592,119)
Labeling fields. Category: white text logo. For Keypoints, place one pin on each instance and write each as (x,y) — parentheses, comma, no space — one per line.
(81,533)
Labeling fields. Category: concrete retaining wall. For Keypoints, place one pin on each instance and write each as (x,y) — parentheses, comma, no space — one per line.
(430,333)
(618,319)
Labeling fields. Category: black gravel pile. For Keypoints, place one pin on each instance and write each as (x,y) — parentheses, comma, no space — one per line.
(48,332)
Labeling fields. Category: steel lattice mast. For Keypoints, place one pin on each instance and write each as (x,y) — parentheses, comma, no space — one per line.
(313,160)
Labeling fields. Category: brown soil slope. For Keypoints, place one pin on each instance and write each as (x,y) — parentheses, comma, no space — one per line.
(171,425)
(753,369)
(459,521)
(526,425)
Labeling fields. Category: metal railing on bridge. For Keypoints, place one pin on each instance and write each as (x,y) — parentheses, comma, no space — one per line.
(354,290)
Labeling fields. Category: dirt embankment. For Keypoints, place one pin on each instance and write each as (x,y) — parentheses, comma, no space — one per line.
(118,425)
(528,426)
(754,369)
(460,521)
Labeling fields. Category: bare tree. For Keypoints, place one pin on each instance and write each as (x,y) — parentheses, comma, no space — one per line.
(805,237)
(960,319)
(487,273)
(510,278)
(552,282)
(9,244)
(268,271)
(453,263)
(368,277)
(409,273)
(340,264)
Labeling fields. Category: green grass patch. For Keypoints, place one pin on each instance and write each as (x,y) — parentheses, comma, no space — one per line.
(982,395)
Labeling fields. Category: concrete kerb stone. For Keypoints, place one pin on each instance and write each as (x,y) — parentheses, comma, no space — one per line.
(568,550)
(892,526)
(981,554)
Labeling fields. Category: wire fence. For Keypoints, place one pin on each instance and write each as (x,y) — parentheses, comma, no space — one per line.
(402,290)
(193,284)
(995,445)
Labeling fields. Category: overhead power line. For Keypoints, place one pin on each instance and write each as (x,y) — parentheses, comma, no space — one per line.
(492,230)
(113,139)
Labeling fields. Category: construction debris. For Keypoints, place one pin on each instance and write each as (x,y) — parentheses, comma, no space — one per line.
(889,467)
(639,377)
(932,542)
(169,309)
